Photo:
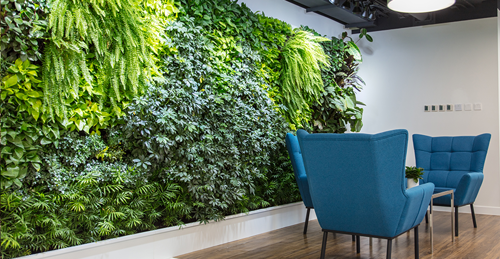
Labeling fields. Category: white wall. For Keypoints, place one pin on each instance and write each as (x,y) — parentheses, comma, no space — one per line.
(295,15)
(439,64)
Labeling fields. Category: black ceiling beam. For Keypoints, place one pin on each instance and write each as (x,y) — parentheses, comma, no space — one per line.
(360,25)
(321,7)
(322,14)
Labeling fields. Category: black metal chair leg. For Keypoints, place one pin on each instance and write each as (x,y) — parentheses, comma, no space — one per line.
(389,248)
(323,245)
(427,217)
(456,221)
(417,254)
(307,220)
(358,245)
(473,215)
(353,238)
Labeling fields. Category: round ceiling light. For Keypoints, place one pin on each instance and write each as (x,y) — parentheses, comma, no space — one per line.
(418,6)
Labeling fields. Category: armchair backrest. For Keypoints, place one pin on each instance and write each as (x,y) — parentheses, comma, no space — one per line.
(446,159)
(357,180)
(292,145)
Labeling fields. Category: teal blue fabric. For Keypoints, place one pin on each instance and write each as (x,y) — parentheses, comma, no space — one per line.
(357,182)
(292,144)
(452,163)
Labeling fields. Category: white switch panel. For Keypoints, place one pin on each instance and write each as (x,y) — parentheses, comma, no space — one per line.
(434,108)
(458,107)
(449,107)
(468,107)
(478,107)
(427,108)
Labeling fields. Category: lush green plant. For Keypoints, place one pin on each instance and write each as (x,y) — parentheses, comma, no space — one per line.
(21,134)
(22,29)
(230,25)
(301,83)
(338,106)
(115,33)
(76,199)
(215,128)
(415,173)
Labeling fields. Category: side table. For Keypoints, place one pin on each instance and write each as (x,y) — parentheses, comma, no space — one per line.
(436,195)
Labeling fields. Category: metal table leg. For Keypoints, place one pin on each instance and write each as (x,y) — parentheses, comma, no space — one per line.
(431,221)
(452,217)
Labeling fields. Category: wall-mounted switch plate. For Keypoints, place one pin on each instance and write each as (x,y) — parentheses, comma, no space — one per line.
(427,108)
(468,107)
(434,108)
(442,108)
(449,107)
(458,107)
(478,107)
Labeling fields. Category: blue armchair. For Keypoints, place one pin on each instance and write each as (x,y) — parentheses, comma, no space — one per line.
(357,185)
(453,163)
(292,144)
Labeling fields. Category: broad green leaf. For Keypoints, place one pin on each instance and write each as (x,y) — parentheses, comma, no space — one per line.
(354,50)
(11,172)
(19,152)
(11,81)
(45,141)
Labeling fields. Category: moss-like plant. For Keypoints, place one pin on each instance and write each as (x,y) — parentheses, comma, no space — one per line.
(415,173)
(301,82)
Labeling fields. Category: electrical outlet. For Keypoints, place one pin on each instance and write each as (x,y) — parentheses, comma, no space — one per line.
(449,107)
(434,108)
(468,107)
(427,108)
(458,107)
(478,107)
(441,108)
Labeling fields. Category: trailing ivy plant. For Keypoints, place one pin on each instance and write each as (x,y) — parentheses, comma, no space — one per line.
(301,82)
(22,30)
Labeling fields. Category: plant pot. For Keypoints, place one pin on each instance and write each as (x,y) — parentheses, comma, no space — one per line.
(410,183)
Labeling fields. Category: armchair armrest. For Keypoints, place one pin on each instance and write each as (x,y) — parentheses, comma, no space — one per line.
(468,188)
(418,199)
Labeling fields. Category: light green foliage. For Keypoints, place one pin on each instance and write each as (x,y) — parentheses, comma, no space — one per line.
(301,82)
(338,106)
(21,134)
(25,124)
(115,32)
(22,27)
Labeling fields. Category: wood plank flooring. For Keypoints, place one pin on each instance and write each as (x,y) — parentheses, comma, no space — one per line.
(289,242)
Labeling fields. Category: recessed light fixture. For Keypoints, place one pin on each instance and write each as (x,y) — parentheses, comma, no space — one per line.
(418,6)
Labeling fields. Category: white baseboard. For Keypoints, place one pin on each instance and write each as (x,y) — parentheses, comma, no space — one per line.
(169,242)
(478,209)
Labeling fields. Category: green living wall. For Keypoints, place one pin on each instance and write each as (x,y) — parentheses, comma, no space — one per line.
(121,117)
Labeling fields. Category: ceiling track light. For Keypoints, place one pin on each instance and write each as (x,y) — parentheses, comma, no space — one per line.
(418,6)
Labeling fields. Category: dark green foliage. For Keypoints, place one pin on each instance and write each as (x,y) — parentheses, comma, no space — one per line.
(229,25)
(208,126)
(22,28)
(338,106)
(76,199)
(415,173)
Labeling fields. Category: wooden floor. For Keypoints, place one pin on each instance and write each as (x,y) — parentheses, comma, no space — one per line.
(289,242)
